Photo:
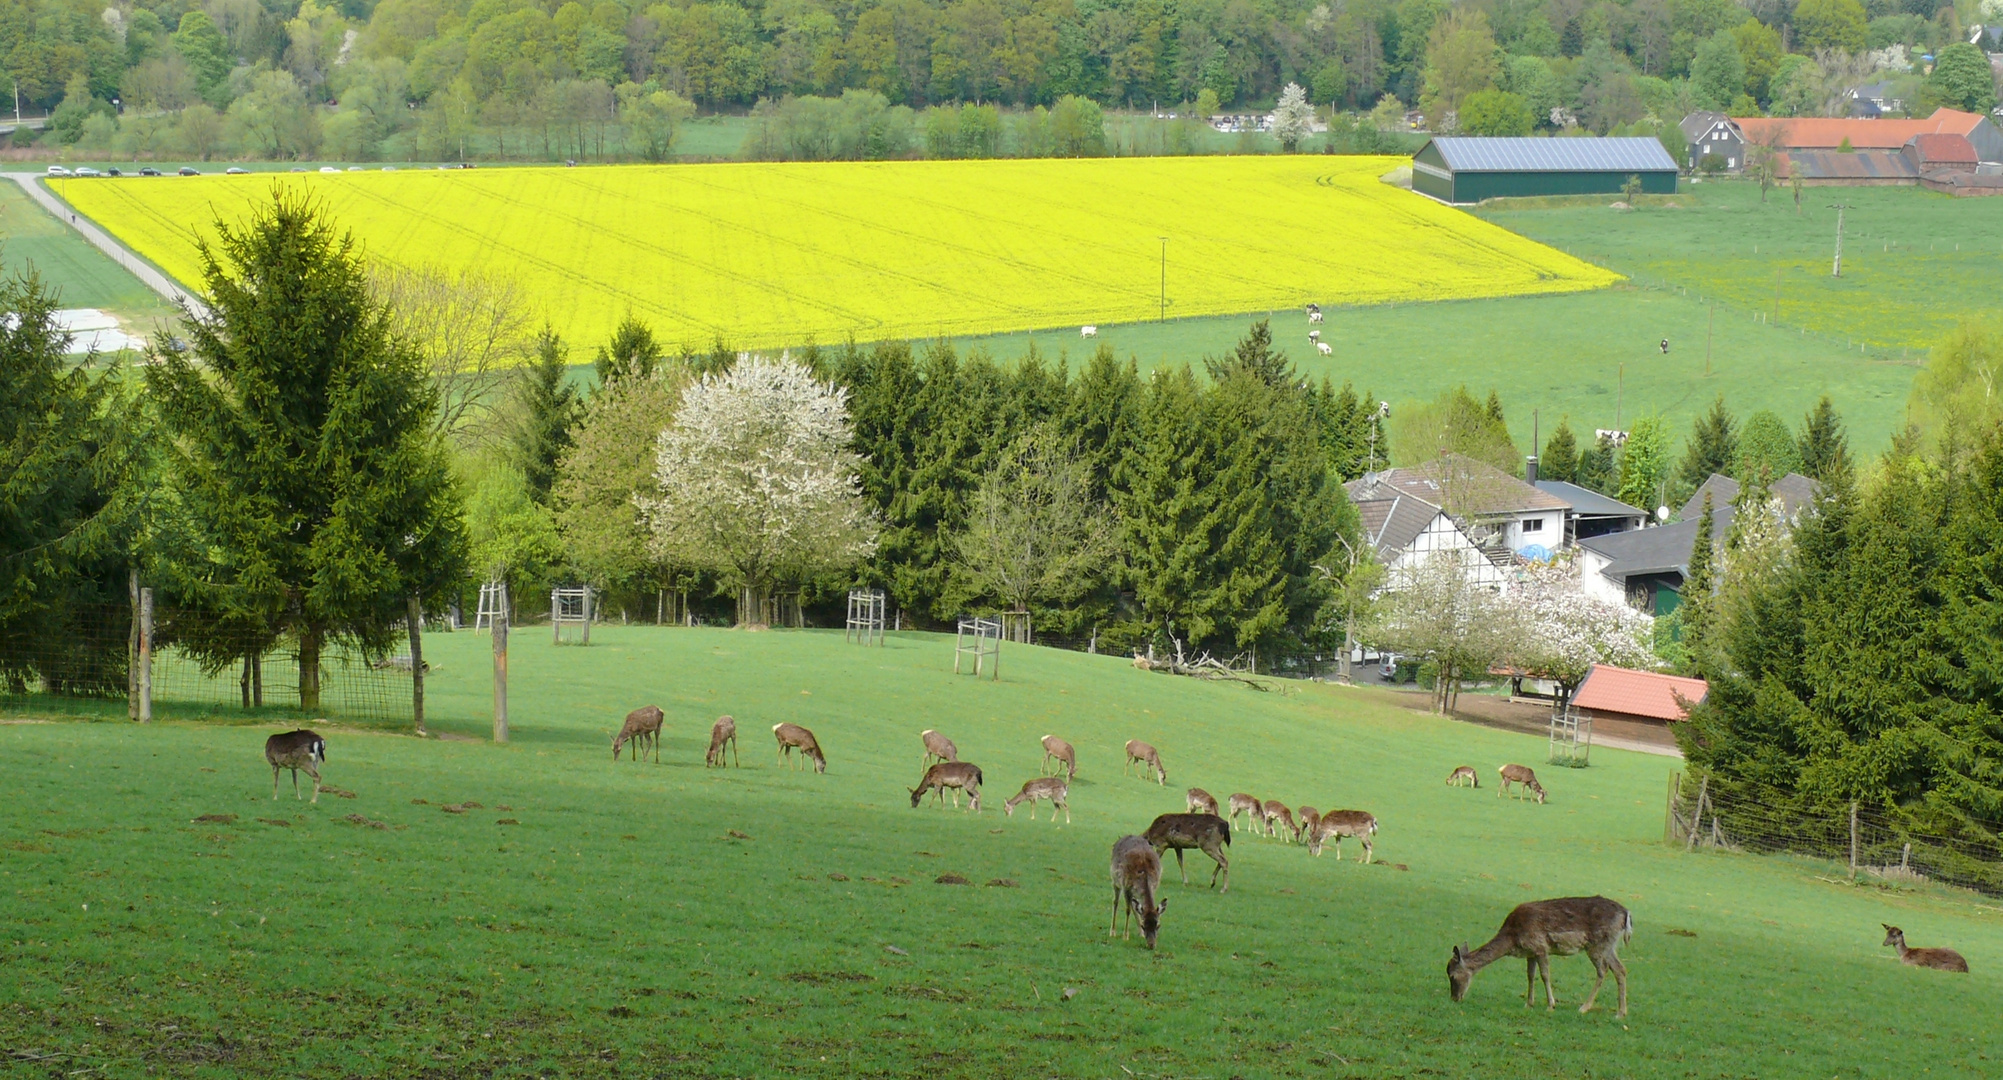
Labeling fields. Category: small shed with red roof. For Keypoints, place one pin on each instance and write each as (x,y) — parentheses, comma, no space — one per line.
(1644,696)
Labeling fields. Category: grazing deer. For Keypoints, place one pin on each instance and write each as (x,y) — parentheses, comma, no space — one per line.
(1253,809)
(296,750)
(1149,759)
(1136,878)
(794,737)
(1535,931)
(1465,772)
(1277,815)
(724,731)
(1337,824)
(1938,959)
(957,775)
(1207,833)
(642,724)
(1201,801)
(937,747)
(1059,750)
(1520,774)
(1045,787)
(1309,816)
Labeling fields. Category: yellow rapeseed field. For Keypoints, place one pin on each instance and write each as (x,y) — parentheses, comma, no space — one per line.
(766,255)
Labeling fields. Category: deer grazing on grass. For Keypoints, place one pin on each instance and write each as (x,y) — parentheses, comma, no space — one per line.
(1337,824)
(643,725)
(1278,816)
(1309,816)
(1149,759)
(957,775)
(1253,809)
(794,737)
(1520,774)
(1465,772)
(1207,833)
(1136,872)
(723,731)
(1938,959)
(937,748)
(1057,749)
(1044,787)
(1201,801)
(1536,931)
(296,750)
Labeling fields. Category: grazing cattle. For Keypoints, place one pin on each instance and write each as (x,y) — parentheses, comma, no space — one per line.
(1136,873)
(937,748)
(1201,801)
(1938,959)
(296,750)
(1088,331)
(1540,929)
(1207,833)
(1149,759)
(723,731)
(1337,824)
(794,737)
(1520,774)
(1061,751)
(957,776)
(642,725)
(1044,787)
(1324,348)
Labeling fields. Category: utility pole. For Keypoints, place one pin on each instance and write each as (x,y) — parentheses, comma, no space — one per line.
(1837,271)
(1164,280)
(1709,322)
(1620,385)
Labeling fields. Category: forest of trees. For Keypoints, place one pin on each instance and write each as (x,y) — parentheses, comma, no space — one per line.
(448,79)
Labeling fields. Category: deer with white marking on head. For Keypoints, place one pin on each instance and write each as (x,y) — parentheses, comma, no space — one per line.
(1540,929)
(1043,787)
(1136,873)
(1520,774)
(956,776)
(296,750)
(794,737)
(1149,759)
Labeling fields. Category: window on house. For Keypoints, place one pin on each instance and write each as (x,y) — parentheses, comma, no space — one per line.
(1533,525)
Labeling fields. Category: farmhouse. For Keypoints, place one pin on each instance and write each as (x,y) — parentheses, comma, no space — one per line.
(1792,134)
(1467,170)
(1406,531)
(1645,567)
(1611,693)
(1713,133)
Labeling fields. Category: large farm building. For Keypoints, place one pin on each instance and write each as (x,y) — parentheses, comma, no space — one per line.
(1467,170)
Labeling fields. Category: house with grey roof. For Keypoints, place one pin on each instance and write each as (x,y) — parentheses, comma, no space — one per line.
(1591,514)
(1645,567)
(1461,505)
(1709,133)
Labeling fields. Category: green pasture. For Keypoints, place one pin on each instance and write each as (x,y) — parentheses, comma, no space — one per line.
(82,275)
(667,920)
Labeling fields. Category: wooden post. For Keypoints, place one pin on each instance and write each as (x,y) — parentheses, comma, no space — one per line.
(1697,817)
(1853,839)
(1669,812)
(132,652)
(413,617)
(587,615)
(501,668)
(146,656)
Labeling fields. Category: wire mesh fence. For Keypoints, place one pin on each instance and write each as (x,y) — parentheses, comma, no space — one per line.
(200,661)
(1864,840)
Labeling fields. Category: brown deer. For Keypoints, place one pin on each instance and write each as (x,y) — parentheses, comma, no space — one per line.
(1520,774)
(937,748)
(794,737)
(1149,759)
(1057,749)
(1253,809)
(723,731)
(1278,816)
(1207,833)
(1136,871)
(957,775)
(1053,788)
(296,750)
(642,726)
(1201,801)
(1337,824)
(1308,816)
(1937,959)
(1535,931)
(1465,772)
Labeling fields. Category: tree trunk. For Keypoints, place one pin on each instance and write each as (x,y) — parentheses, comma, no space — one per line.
(414,620)
(309,669)
(1348,644)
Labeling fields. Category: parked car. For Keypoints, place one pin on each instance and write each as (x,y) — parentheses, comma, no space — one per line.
(149,171)
(235,171)
(58,170)
(329,168)
(188,170)
(85,170)
(356,168)
(389,168)
(113,172)
(298,168)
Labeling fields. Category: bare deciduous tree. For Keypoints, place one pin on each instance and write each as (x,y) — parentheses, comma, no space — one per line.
(1034,533)
(473,332)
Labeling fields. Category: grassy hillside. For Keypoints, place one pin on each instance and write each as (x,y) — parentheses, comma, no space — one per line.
(666,920)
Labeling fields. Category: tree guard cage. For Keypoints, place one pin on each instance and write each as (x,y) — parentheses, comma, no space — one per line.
(782,609)
(1015,625)
(865,616)
(980,639)
(493,601)
(1571,737)
(570,608)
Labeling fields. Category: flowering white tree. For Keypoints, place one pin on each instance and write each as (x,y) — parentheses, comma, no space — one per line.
(1441,610)
(1561,632)
(757,481)
(1293,118)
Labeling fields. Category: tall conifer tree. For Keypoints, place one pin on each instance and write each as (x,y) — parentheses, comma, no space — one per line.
(1714,443)
(1560,460)
(1825,449)
(545,412)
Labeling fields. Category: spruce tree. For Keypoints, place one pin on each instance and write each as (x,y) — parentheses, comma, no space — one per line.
(299,437)
(545,411)
(1255,355)
(1493,409)
(1596,467)
(1695,610)
(632,352)
(1714,443)
(1560,460)
(1824,448)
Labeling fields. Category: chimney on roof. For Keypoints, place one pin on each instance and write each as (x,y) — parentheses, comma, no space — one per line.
(1530,469)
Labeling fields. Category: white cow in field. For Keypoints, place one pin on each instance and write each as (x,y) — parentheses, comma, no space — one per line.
(1088,331)
(1324,348)
(1314,316)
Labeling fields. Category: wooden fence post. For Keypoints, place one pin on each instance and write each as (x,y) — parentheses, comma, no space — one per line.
(146,656)
(132,652)
(1853,839)
(1697,817)
(501,668)
(414,620)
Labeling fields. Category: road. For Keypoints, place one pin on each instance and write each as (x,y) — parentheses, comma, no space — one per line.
(144,271)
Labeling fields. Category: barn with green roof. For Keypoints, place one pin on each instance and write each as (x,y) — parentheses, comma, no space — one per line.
(1458,169)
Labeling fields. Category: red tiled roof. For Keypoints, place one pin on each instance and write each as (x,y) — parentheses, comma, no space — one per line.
(1949,149)
(1826,133)
(1637,693)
